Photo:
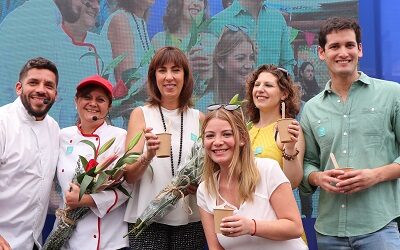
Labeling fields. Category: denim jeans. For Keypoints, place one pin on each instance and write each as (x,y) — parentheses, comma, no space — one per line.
(387,238)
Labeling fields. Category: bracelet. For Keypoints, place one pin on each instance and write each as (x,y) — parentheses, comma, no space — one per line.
(144,162)
(255,227)
(289,157)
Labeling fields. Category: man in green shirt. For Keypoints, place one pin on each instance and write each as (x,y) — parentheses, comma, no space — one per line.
(266,27)
(357,118)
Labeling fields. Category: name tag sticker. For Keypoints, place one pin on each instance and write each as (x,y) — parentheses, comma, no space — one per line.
(193,137)
(321,131)
(258,150)
(69,150)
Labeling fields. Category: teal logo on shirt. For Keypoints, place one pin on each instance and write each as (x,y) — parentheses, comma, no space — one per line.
(258,150)
(321,131)
(69,150)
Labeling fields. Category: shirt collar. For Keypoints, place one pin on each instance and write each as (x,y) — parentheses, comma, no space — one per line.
(362,79)
(236,8)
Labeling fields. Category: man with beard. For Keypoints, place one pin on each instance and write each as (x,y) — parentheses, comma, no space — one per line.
(28,156)
(57,30)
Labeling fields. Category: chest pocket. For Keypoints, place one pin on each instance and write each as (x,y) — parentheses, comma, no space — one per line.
(371,126)
(323,133)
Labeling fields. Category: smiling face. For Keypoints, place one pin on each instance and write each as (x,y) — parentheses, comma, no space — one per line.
(170,79)
(219,141)
(341,54)
(92,103)
(238,65)
(34,88)
(266,92)
(88,10)
(192,8)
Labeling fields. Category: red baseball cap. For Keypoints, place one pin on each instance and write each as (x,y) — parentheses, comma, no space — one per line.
(98,81)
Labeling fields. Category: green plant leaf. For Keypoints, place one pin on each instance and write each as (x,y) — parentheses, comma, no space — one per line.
(123,190)
(126,160)
(91,144)
(106,146)
(193,35)
(235,99)
(94,54)
(101,179)
(80,177)
(134,141)
(114,63)
(84,161)
(87,180)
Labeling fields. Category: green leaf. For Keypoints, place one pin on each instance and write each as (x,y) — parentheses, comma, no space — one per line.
(134,141)
(126,160)
(80,177)
(106,146)
(234,99)
(87,180)
(91,144)
(110,67)
(193,35)
(84,161)
(94,54)
(101,179)
(123,190)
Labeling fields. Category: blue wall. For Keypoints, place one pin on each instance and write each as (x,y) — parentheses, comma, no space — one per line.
(380,22)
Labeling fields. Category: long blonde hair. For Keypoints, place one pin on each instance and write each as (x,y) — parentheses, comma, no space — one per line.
(242,166)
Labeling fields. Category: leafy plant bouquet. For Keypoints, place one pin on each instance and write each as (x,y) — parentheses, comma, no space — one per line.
(93,177)
(189,174)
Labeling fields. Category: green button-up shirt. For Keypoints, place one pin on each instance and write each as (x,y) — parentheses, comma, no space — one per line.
(269,31)
(363,132)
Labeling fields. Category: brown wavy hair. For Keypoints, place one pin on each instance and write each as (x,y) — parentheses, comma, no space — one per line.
(163,56)
(286,85)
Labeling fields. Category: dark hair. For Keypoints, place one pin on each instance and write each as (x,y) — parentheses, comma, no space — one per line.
(129,7)
(286,85)
(226,3)
(84,91)
(174,12)
(163,56)
(335,24)
(38,63)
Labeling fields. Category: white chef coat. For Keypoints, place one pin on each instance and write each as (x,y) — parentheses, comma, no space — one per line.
(109,226)
(28,158)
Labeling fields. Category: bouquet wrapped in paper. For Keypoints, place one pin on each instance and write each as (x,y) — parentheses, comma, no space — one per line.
(189,174)
(92,177)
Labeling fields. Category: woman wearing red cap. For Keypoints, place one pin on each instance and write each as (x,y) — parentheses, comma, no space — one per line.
(103,227)
(170,87)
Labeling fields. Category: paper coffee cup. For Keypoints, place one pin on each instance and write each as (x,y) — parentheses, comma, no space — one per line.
(165,145)
(283,125)
(219,214)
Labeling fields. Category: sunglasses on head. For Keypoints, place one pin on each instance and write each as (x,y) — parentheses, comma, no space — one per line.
(284,71)
(236,28)
(229,107)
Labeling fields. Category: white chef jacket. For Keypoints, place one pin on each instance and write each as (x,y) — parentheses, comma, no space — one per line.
(108,225)
(28,158)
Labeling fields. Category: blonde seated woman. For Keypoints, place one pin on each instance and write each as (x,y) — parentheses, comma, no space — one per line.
(265,212)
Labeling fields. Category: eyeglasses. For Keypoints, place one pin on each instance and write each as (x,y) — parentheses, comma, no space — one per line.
(229,107)
(236,28)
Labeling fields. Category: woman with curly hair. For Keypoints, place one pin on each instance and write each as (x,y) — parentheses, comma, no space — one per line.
(266,89)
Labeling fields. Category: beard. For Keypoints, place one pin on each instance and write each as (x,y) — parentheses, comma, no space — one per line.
(36,113)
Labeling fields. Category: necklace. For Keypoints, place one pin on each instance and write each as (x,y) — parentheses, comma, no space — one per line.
(180,141)
(144,40)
